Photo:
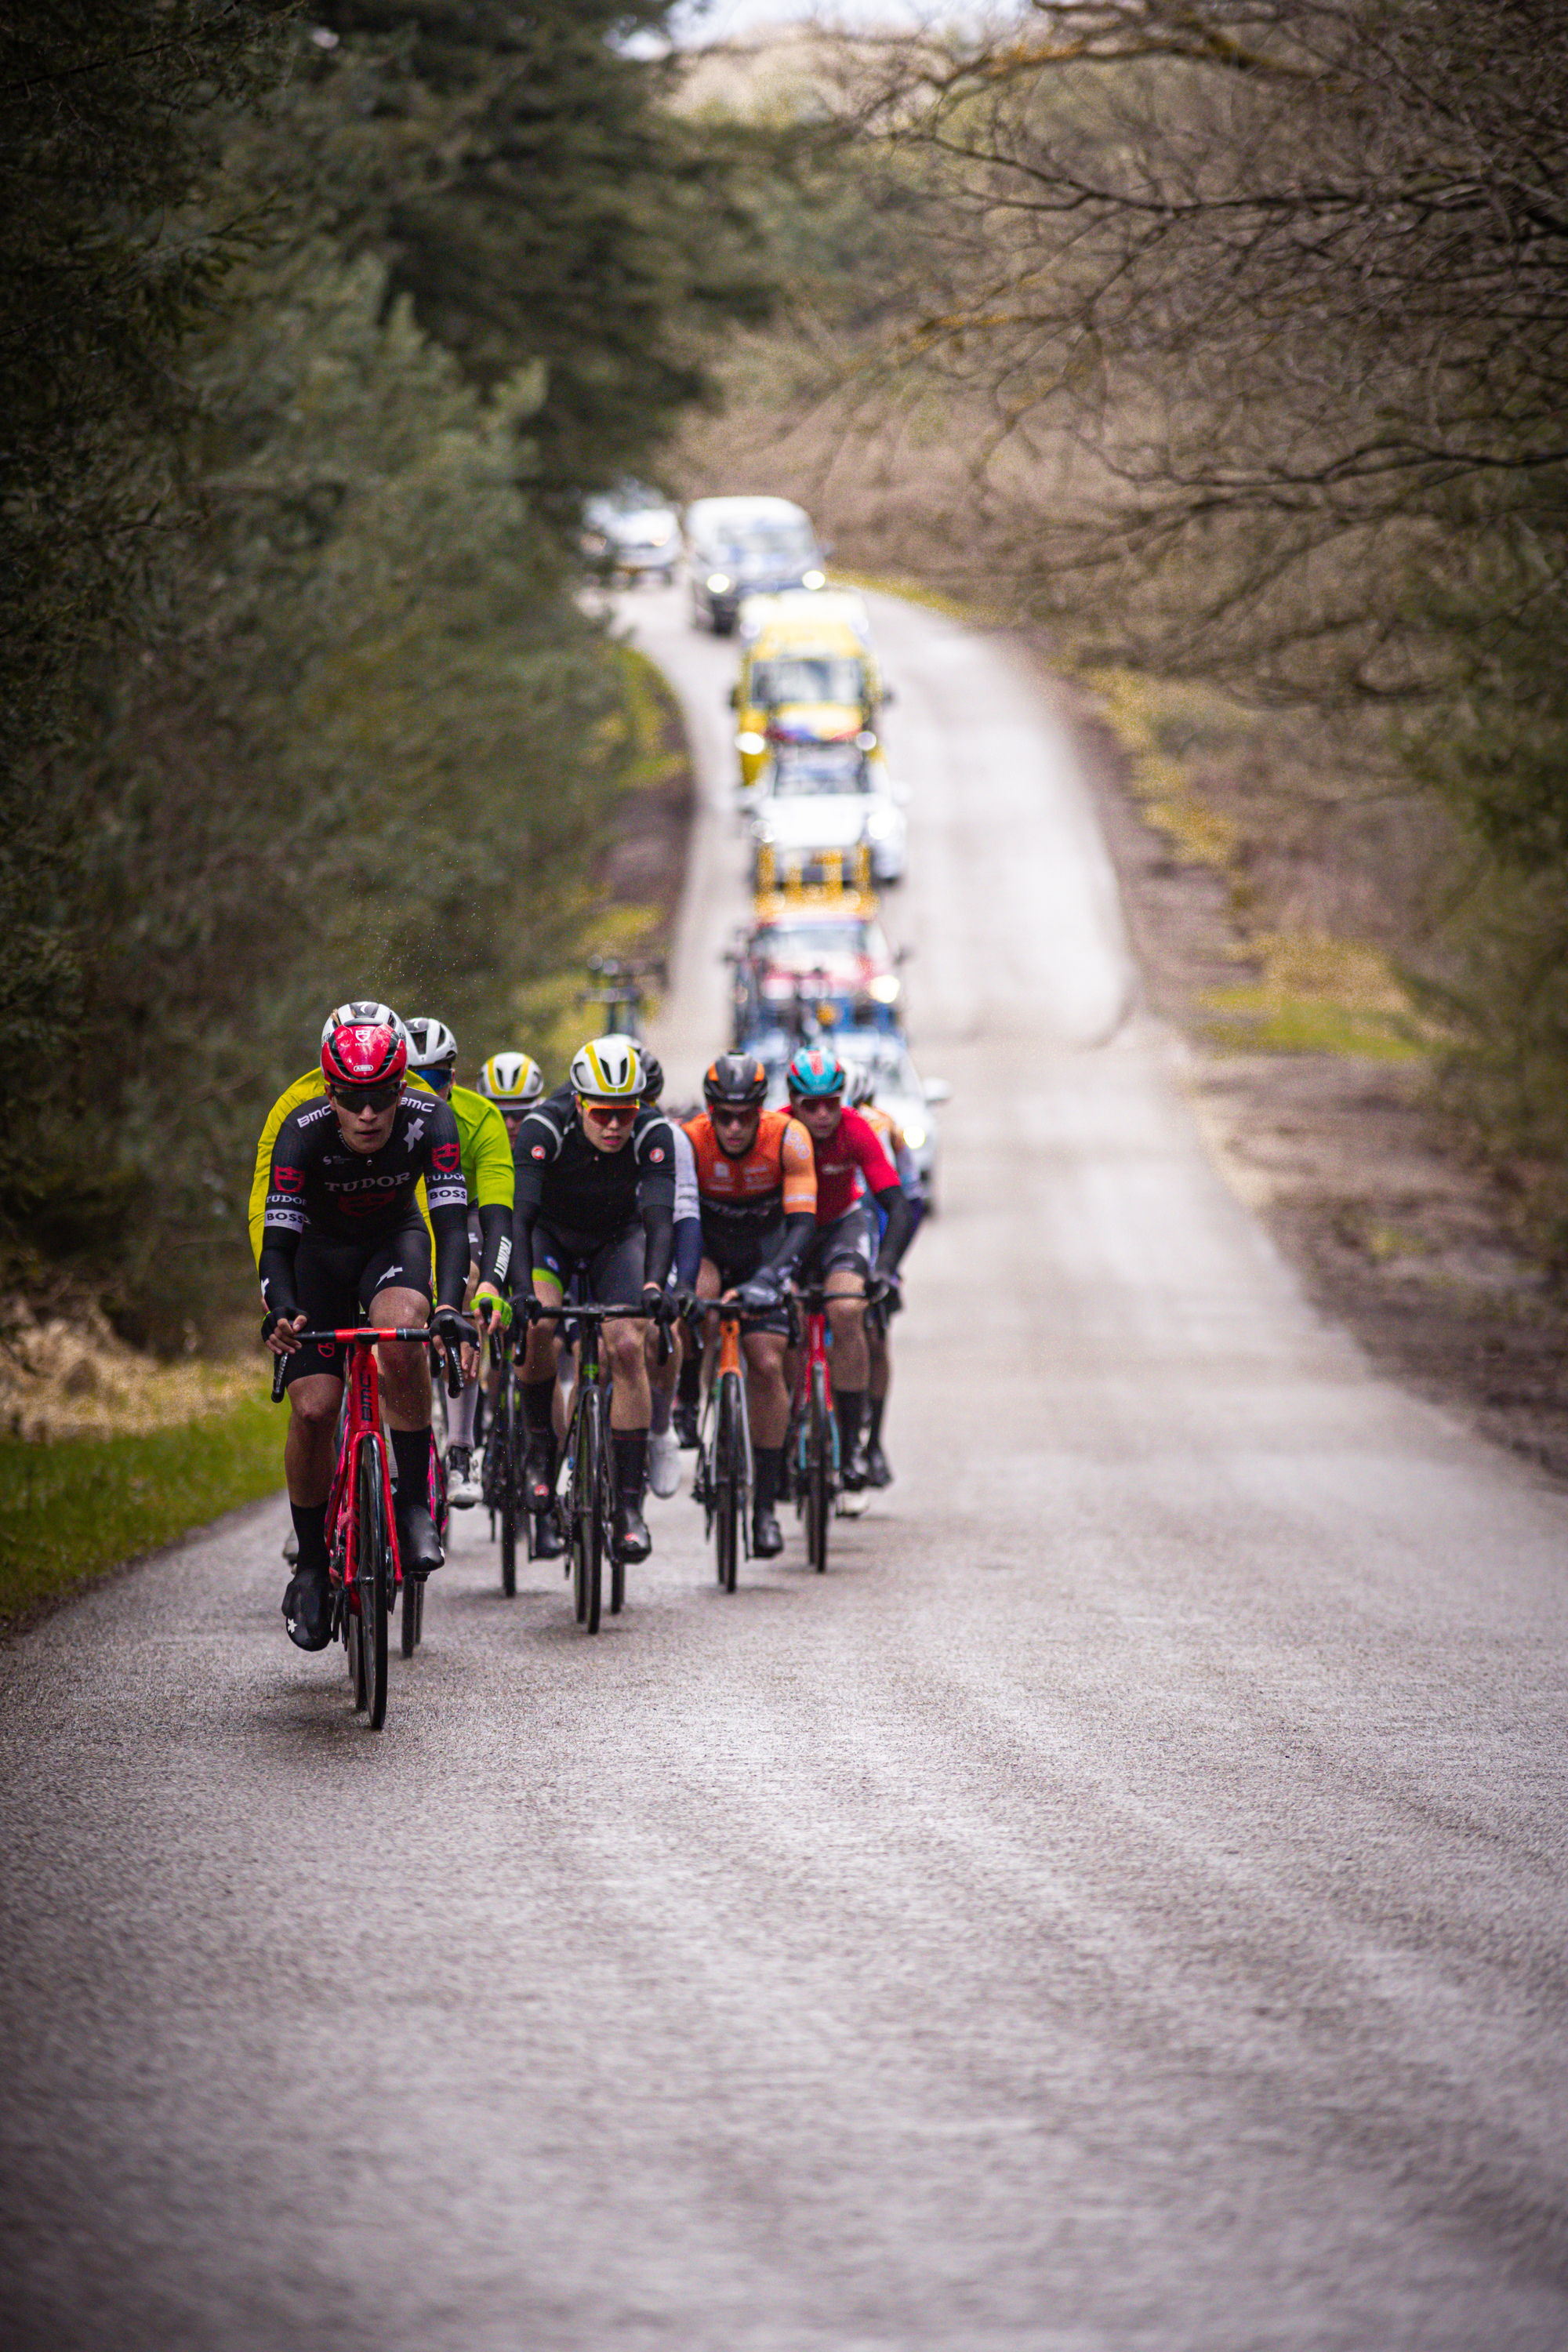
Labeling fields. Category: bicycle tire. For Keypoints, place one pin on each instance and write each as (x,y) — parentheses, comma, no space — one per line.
(819,1472)
(732,1477)
(373,1577)
(617,1565)
(408,1616)
(587,1511)
(503,1435)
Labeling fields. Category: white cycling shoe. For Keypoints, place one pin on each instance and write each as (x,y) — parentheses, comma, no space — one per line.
(664,1462)
(463,1489)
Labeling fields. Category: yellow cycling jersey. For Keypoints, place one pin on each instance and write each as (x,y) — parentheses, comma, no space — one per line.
(488,1170)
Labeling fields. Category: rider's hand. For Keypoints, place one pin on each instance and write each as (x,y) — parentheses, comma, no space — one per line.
(280,1333)
(658,1303)
(879,1288)
(489,1306)
(457,1339)
(762,1291)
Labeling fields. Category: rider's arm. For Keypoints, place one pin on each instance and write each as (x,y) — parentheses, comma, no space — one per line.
(302,1090)
(495,1236)
(792,1244)
(449,1225)
(797,1162)
(900,1228)
(537,1143)
(688,1211)
(283,1215)
(448,1198)
(276,1267)
(655,1145)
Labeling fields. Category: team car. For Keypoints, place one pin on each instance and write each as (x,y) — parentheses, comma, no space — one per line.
(808,674)
(818,954)
(632,533)
(737,546)
(825,813)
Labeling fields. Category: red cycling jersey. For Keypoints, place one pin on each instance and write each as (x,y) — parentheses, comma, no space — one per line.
(851,1152)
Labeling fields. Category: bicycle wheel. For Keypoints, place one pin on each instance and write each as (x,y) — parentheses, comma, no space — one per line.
(505,1435)
(372,1581)
(607,1518)
(818,1471)
(731,1476)
(587,1509)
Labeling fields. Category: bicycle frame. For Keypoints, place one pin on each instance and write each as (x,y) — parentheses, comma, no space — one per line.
(585,1516)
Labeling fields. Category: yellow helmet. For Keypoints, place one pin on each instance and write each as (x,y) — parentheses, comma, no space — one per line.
(609,1069)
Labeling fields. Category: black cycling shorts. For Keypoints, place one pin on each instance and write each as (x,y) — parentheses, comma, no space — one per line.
(611,1273)
(733,1271)
(335,1283)
(844,1245)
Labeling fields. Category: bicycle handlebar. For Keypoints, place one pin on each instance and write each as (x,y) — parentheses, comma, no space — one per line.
(368,1334)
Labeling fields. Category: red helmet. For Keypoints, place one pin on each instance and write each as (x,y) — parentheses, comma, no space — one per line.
(363,1054)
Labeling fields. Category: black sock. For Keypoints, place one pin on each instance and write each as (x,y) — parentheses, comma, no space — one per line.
(874,1407)
(689,1387)
(538,1397)
(850,1404)
(630,1448)
(310,1526)
(767,1461)
(411,1451)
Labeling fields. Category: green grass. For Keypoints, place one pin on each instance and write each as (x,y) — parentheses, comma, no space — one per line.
(70,1511)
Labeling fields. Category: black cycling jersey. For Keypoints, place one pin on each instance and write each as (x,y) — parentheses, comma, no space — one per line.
(320,1191)
(588,1197)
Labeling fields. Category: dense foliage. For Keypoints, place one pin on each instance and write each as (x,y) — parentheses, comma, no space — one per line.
(317,334)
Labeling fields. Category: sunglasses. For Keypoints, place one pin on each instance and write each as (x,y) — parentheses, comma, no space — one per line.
(743,1118)
(371,1098)
(438,1080)
(610,1114)
(817,1102)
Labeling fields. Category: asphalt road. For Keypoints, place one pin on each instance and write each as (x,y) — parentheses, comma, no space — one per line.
(1121,1905)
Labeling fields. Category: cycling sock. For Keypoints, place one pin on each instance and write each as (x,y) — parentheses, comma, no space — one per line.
(662,1403)
(481,1415)
(767,1461)
(874,1409)
(850,1404)
(631,1463)
(460,1411)
(411,1450)
(538,1397)
(689,1387)
(310,1526)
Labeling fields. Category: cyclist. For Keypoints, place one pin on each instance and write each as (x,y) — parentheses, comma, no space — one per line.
(596,1199)
(878,1336)
(850,1164)
(487,1175)
(514,1083)
(756,1182)
(663,1446)
(343,1239)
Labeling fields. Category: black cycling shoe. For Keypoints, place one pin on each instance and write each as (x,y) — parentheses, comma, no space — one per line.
(418,1545)
(683,1420)
(767,1536)
(877,1472)
(539,1478)
(632,1541)
(855,1475)
(308,1608)
(548,1541)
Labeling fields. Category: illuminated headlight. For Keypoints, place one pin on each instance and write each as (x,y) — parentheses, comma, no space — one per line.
(717,582)
(880,824)
(884,991)
(814,579)
(915,1138)
(594,542)
(751,743)
(662,538)
(865,740)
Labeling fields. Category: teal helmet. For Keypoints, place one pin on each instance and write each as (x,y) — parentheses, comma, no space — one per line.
(815,1070)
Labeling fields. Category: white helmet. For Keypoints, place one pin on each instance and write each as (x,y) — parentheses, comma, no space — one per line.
(862,1085)
(512,1080)
(364,1013)
(609,1069)
(430,1043)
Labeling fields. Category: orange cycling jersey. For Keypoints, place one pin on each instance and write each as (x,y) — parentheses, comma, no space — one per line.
(746,1198)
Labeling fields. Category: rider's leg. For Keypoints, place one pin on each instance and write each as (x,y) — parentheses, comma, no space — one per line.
(406,1405)
(767,1405)
(618,1280)
(539,1393)
(851,1365)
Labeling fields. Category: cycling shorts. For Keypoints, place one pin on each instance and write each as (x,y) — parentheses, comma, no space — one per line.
(842,1245)
(739,1267)
(336,1282)
(611,1273)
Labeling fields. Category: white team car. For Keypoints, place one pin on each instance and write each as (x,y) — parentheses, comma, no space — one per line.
(908,1098)
(632,534)
(821,806)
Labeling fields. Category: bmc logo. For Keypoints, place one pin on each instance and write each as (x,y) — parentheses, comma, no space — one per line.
(288,1180)
(446,1157)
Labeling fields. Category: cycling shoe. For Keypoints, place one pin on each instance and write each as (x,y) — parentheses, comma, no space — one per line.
(308,1609)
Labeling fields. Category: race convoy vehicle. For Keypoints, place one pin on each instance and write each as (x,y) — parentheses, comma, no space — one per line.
(631,534)
(825,813)
(737,546)
(815,956)
(808,674)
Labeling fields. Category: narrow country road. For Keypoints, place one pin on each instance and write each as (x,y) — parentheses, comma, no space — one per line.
(1121,1905)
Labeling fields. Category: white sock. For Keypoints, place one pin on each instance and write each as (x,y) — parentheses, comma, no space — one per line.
(460,1411)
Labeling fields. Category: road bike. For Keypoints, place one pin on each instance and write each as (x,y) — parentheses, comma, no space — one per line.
(586,1503)
(725,1471)
(363,1565)
(506,1455)
(621,986)
(811,1445)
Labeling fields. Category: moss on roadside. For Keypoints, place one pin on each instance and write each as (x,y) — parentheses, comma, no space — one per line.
(71,1510)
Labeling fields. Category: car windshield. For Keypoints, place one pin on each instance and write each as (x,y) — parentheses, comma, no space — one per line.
(808,678)
(786,542)
(804,945)
(816,768)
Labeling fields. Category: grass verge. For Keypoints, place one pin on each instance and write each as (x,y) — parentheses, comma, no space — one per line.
(70,1511)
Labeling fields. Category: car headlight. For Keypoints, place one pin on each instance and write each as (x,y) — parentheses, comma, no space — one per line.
(717,582)
(915,1138)
(751,743)
(885,989)
(814,579)
(880,824)
(865,740)
(662,538)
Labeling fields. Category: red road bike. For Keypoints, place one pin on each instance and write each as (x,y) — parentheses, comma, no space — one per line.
(811,1447)
(363,1565)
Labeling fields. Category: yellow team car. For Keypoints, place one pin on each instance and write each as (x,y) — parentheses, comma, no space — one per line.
(808,674)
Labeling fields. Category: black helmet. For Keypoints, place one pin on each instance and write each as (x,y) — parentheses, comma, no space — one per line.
(737,1080)
(652,1076)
